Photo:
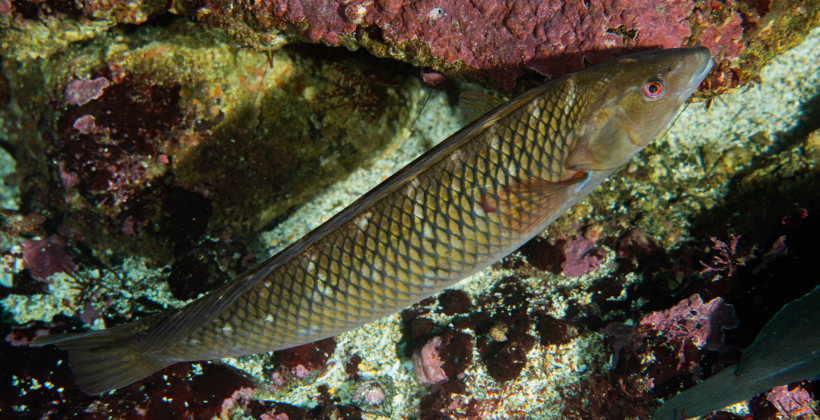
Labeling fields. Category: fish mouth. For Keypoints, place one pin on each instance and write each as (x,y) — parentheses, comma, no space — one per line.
(703,55)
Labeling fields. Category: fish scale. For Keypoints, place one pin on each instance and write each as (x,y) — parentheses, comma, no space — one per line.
(421,238)
(455,210)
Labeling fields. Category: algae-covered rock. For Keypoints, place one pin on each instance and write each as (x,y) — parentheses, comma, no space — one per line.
(150,140)
(489,42)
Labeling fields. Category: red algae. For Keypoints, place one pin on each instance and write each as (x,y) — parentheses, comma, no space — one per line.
(302,360)
(497,42)
(427,363)
(454,302)
(581,257)
(694,320)
(45,258)
(43,375)
(791,402)
(554,331)
(496,37)
(545,256)
(80,92)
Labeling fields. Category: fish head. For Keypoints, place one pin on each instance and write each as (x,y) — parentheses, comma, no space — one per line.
(630,100)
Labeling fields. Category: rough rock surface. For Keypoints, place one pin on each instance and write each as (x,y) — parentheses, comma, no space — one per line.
(496,42)
(148,142)
(485,41)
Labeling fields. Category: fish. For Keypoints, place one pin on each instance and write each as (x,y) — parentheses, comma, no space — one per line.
(466,203)
(786,350)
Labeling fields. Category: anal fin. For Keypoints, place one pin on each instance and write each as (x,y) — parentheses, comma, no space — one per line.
(526,204)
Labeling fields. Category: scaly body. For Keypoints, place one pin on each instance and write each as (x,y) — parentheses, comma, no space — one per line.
(459,208)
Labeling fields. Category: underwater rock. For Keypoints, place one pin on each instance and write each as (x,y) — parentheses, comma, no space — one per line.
(494,43)
(488,42)
(169,137)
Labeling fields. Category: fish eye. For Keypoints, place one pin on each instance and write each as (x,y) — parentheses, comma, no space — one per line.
(653,90)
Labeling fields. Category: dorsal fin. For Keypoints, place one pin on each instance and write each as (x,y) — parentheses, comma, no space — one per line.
(473,105)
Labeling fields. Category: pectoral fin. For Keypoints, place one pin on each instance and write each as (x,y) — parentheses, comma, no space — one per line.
(526,204)
(580,158)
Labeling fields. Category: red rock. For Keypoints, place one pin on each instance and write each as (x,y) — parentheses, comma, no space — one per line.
(552,37)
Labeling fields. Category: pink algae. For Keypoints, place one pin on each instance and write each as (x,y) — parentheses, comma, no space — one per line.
(80,92)
(427,363)
(47,257)
(692,319)
(553,37)
(582,257)
(791,403)
(84,124)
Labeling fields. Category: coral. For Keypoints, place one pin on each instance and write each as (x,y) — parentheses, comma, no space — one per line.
(691,319)
(84,124)
(47,257)
(329,408)
(80,92)
(21,335)
(432,79)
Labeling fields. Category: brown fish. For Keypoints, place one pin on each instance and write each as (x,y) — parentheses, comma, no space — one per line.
(460,207)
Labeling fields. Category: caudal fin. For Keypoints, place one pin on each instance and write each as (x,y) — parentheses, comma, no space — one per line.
(106,360)
(715,393)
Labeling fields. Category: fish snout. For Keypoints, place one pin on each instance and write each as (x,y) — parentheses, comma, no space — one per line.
(703,57)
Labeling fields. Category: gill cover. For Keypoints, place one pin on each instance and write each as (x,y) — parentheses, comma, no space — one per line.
(641,96)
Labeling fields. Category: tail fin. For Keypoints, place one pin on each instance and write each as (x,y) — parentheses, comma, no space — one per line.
(108,359)
(719,391)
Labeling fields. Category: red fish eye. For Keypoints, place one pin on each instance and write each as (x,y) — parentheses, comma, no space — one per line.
(653,90)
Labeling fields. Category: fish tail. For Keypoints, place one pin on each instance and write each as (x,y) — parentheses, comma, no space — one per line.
(717,392)
(107,359)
